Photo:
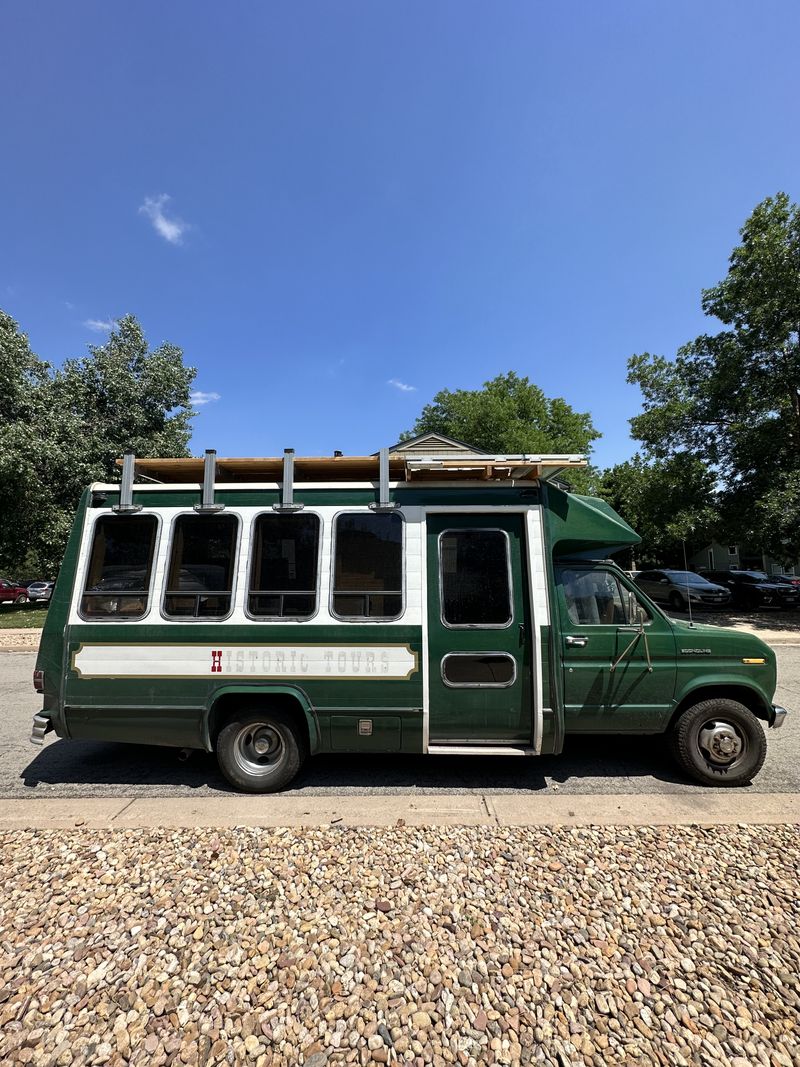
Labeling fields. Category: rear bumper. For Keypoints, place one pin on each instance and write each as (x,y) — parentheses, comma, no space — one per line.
(42,724)
(777,716)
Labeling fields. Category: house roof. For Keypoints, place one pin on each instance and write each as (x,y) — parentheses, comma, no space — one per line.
(435,442)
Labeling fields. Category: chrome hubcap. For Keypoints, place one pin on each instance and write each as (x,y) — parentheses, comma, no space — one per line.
(721,742)
(258,748)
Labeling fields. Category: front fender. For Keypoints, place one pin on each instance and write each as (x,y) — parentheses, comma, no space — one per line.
(755,693)
(257,690)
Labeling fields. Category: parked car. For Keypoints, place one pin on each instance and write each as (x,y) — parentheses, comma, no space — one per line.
(12,592)
(755,589)
(40,590)
(787,579)
(681,588)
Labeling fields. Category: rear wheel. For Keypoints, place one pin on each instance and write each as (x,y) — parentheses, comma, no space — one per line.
(719,742)
(260,750)
(21,599)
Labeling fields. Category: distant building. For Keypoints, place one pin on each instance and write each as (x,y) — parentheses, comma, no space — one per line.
(435,444)
(718,557)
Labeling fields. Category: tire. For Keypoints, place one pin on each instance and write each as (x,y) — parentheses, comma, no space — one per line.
(719,742)
(21,599)
(239,753)
(676,602)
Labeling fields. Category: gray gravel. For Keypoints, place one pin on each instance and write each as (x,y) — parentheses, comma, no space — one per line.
(590,765)
(440,946)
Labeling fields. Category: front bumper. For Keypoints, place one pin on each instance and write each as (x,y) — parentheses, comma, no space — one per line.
(777,717)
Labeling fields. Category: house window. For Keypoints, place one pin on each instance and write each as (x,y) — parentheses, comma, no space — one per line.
(368,566)
(120,567)
(200,573)
(283,580)
(733,551)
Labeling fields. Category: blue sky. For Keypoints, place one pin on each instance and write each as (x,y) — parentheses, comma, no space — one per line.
(317,199)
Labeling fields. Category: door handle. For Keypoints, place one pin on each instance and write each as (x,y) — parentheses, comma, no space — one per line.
(577,642)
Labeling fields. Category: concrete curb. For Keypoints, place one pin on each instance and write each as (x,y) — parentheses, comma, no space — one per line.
(723,808)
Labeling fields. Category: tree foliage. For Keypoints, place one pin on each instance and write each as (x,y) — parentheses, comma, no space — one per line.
(509,415)
(64,428)
(732,399)
(669,502)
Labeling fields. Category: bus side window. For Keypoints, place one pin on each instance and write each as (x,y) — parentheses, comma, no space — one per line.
(120,567)
(368,566)
(200,571)
(285,564)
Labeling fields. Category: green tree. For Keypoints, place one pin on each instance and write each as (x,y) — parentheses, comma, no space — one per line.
(509,415)
(668,502)
(80,419)
(732,399)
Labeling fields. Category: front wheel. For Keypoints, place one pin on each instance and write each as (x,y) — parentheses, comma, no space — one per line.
(676,602)
(719,742)
(260,750)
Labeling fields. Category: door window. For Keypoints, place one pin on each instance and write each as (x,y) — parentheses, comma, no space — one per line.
(597,598)
(368,566)
(120,567)
(200,572)
(475,578)
(283,579)
(479,669)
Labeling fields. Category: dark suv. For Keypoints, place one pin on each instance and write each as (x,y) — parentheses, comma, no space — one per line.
(755,589)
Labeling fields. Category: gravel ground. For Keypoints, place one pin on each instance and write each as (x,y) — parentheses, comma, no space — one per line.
(424,946)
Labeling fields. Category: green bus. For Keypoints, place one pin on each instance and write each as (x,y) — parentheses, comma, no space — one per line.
(271,609)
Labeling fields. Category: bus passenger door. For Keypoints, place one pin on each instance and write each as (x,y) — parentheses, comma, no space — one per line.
(479,632)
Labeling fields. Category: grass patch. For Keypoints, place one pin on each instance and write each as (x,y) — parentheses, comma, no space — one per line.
(19,616)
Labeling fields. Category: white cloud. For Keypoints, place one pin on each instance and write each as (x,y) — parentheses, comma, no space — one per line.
(401,385)
(198,398)
(171,229)
(69,305)
(99,325)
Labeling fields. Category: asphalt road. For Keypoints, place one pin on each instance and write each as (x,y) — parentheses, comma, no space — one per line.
(589,765)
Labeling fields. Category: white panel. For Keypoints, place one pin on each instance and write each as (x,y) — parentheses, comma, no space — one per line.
(370,662)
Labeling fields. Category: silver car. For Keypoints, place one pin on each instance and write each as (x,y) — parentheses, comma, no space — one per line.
(678,589)
(40,590)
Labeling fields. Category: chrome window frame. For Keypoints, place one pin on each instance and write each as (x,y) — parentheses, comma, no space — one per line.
(332,590)
(476,625)
(317,588)
(151,585)
(202,619)
(479,685)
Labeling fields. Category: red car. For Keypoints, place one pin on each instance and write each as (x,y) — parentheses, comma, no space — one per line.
(12,593)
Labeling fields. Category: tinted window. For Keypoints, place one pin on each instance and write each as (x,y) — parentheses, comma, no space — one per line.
(200,572)
(283,578)
(479,669)
(475,578)
(368,566)
(120,567)
(596,598)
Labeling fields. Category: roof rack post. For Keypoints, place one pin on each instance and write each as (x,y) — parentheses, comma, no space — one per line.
(207,505)
(287,502)
(383,503)
(126,504)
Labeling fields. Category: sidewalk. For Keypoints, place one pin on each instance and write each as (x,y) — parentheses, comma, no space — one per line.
(726,807)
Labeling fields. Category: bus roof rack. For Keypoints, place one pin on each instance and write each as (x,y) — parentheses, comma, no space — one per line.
(402,467)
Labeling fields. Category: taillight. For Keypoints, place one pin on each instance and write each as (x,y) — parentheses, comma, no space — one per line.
(38,681)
